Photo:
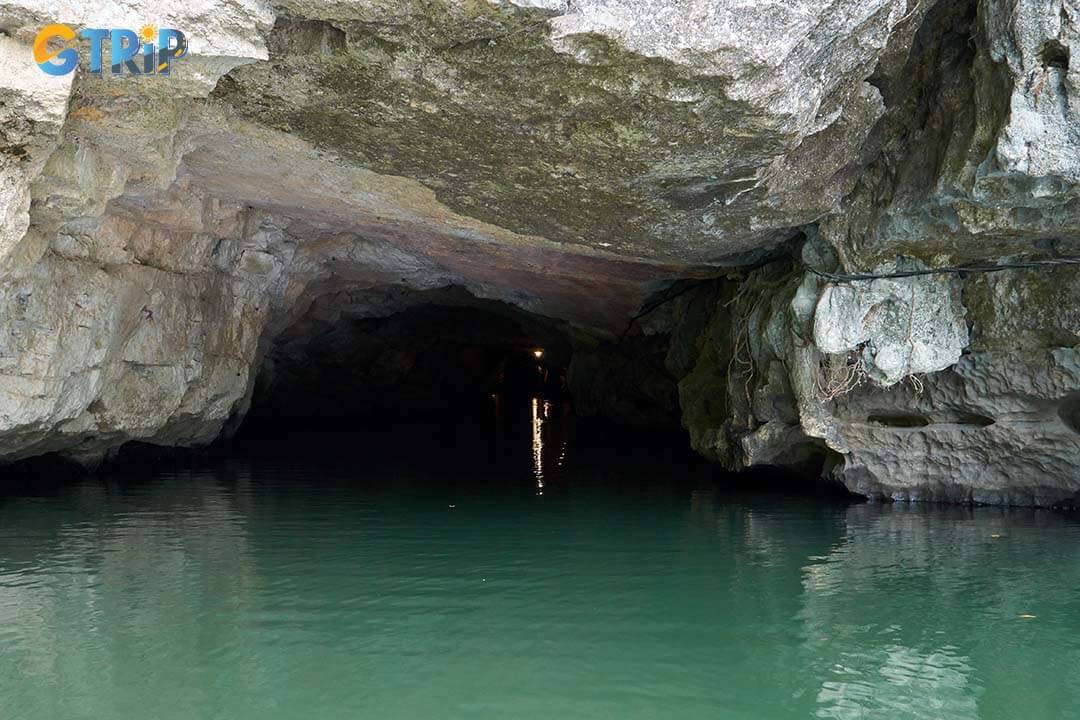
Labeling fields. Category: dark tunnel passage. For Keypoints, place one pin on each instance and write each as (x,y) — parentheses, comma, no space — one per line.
(449,381)
(427,361)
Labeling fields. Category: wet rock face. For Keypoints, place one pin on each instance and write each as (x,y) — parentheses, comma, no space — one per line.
(163,242)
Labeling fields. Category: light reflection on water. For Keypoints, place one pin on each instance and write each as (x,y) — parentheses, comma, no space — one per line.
(548,440)
(540,409)
(323,588)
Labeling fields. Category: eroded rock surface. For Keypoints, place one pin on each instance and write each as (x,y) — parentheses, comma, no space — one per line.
(163,240)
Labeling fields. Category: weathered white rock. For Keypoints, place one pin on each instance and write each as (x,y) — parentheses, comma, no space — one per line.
(32,109)
(1036,41)
(900,327)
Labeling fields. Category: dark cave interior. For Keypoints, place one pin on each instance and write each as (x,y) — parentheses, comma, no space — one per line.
(421,363)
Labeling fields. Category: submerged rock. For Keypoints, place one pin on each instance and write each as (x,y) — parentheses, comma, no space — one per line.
(163,241)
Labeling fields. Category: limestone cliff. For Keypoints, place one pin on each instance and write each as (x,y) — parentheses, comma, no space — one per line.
(163,239)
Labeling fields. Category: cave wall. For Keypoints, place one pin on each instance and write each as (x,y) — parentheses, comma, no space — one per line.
(763,380)
(956,387)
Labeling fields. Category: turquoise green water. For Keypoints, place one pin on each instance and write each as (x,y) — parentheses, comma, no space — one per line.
(553,584)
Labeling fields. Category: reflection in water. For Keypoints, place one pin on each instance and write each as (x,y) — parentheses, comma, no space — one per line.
(902,682)
(919,613)
(329,586)
(549,441)
(540,410)
(102,582)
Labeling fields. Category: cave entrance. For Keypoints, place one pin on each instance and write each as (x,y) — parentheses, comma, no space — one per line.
(442,384)
(446,383)
(450,355)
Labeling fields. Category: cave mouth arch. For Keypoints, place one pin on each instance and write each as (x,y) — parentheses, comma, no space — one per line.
(444,352)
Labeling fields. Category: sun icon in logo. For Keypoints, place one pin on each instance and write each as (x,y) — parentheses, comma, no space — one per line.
(148,33)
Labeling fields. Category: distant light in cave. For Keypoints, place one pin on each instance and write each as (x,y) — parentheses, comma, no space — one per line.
(538,353)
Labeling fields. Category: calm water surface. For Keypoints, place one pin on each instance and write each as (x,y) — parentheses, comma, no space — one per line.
(416,580)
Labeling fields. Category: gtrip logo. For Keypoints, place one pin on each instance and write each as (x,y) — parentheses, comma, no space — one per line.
(149,51)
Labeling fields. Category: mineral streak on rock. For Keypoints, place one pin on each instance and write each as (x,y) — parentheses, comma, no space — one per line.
(165,241)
